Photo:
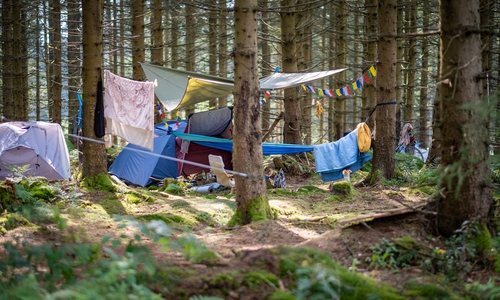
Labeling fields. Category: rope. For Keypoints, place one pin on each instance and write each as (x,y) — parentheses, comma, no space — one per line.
(166,157)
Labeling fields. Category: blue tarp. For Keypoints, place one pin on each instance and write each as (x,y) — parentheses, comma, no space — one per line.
(137,165)
(227,145)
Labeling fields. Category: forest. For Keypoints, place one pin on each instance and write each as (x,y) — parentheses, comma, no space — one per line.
(417,75)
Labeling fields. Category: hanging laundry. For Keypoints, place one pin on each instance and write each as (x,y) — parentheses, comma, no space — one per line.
(332,158)
(129,109)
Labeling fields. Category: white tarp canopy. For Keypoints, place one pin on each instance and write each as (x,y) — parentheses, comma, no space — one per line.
(177,88)
(36,148)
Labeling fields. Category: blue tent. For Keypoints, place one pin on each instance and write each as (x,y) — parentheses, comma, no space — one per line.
(139,165)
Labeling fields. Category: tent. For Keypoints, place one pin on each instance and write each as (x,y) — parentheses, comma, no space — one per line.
(140,166)
(37,148)
(177,88)
(212,123)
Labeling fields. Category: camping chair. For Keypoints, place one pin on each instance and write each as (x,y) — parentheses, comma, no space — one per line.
(217,168)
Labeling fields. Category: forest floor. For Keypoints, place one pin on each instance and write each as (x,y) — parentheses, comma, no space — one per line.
(308,215)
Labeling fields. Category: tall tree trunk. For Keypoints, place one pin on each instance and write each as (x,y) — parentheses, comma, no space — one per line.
(424,81)
(303,64)
(385,119)
(466,189)
(340,104)
(292,120)
(265,64)
(138,48)
(56,61)
(21,107)
(190,43)
(223,57)
(74,60)
(370,94)
(212,46)
(332,41)
(157,33)
(251,201)
(399,70)
(7,62)
(94,154)
(157,45)
(409,110)
(356,46)
(38,37)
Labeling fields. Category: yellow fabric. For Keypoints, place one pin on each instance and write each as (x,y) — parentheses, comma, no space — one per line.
(364,137)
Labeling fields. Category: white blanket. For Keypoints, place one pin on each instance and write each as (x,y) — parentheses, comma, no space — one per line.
(129,109)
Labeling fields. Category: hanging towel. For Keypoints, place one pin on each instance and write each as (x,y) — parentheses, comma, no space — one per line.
(129,109)
(332,158)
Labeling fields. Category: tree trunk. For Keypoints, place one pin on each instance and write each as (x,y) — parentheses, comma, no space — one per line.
(7,62)
(265,65)
(466,191)
(292,121)
(74,57)
(94,154)
(20,102)
(190,43)
(340,103)
(55,63)
(138,48)
(399,71)
(331,53)
(223,47)
(303,64)
(251,201)
(371,55)
(212,46)
(409,110)
(385,119)
(424,81)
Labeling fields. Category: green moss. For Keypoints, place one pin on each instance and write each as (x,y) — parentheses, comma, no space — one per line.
(13,221)
(175,189)
(133,199)
(179,203)
(282,295)
(342,188)
(260,277)
(101,181)
(427,190)
(305,263)
(257,209)
(168,219)
(416,290)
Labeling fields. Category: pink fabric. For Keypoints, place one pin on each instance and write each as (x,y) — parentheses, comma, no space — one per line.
(129,109)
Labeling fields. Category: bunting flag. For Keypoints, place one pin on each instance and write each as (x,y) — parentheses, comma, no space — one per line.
(268,94)
(346,90)
(161,114)
(178,123)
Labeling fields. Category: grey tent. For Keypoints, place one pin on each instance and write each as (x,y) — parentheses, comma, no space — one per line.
(35,148)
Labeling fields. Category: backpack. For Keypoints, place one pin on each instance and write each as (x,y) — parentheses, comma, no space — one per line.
(364,137)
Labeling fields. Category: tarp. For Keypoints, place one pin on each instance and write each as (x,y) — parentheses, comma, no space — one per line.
(177,88)
(35,149)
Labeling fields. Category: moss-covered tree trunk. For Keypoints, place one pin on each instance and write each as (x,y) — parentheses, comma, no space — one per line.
(251,199)
(466,186)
